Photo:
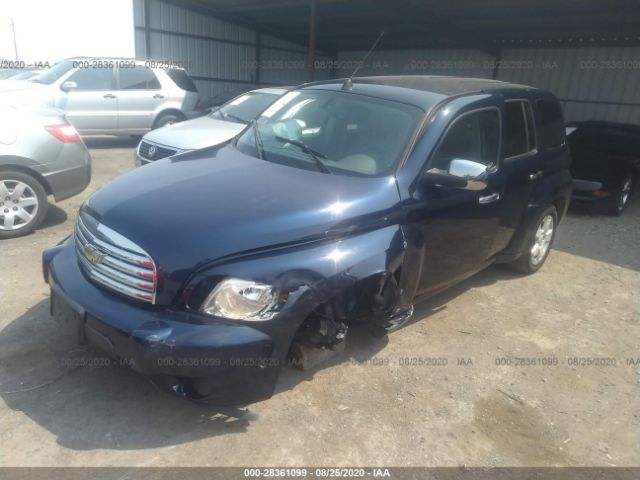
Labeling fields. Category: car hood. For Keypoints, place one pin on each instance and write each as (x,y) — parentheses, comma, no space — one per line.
(194,134)
(192,209)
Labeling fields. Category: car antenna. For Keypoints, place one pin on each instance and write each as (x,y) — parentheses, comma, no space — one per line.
(348,84)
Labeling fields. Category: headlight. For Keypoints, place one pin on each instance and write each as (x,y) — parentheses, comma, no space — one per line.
(241,300)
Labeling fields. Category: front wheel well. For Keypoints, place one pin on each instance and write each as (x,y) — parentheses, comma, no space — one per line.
(560,205)
(169,111)
(374,301)
(28,171)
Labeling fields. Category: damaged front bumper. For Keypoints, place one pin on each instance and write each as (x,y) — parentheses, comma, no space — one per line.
(227,362)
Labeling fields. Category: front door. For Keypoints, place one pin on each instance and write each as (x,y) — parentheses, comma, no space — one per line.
(458,226)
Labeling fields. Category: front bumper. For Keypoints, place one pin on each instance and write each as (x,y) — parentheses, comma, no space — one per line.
(231,363)
(138,161)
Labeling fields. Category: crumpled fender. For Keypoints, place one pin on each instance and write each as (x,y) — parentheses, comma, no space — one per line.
(348,270)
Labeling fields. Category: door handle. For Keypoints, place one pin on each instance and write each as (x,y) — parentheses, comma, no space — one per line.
(536,175)
(157,95)
(494,197)
(109,95)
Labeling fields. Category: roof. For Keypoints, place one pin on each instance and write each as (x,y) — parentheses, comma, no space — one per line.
(421,90)
(272,90)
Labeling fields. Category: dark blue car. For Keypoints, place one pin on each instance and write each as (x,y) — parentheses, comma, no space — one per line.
(346,201)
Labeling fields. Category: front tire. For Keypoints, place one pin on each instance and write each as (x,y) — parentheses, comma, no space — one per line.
(538,244)
(23,204)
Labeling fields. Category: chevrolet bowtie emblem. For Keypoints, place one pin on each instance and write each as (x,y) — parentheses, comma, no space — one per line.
(93,255)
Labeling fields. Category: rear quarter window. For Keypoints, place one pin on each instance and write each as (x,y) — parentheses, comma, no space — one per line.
(181,79)
(551,130)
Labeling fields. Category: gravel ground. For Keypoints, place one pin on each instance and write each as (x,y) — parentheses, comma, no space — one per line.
(517,388)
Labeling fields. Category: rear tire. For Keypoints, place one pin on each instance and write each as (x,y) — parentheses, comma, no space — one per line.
(167,119)
(538,244)
(23,204)
(618,203)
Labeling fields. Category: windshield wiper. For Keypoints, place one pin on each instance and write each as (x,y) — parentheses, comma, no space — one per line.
(258,139)
(314,154)
(235,117)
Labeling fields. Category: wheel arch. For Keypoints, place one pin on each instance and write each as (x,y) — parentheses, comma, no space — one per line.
(12,165)
(360,277)
(168,111)
(561,205)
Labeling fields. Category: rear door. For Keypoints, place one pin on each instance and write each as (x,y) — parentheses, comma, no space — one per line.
(92,105)
(521,167)
(139,95)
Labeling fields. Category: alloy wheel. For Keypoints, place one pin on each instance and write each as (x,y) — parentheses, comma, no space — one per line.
(542,240)
(625,193)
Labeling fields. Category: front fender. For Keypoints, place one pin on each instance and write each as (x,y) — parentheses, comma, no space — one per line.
(312,275)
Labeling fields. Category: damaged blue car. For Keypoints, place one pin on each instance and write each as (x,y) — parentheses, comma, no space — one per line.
(345,201)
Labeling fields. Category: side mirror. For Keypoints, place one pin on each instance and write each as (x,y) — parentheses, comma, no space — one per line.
(461,174)
(69,85)
(435,176)
(474,173)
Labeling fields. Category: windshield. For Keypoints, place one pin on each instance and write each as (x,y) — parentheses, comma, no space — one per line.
(244,108)
(54,73)
(7,73)
(332,132)
(23,75)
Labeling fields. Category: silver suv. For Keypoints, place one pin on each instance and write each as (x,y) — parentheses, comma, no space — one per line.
(119,96)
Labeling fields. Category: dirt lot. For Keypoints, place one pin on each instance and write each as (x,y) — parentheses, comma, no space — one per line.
(366,407)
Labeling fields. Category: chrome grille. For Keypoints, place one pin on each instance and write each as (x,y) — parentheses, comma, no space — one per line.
(111,260)
(150,151)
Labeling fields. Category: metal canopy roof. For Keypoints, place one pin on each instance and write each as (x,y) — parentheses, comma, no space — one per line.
(485,24)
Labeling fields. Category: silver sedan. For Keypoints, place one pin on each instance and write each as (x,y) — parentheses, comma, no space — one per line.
(41,154)
(220,126)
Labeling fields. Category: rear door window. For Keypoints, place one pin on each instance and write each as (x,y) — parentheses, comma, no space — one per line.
(519,129)
(137,78)
(531,126)
(551,132)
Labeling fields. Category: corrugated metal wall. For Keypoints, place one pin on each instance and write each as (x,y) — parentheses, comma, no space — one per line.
(592,83)
(219,56)
(464,63)
(597,83)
